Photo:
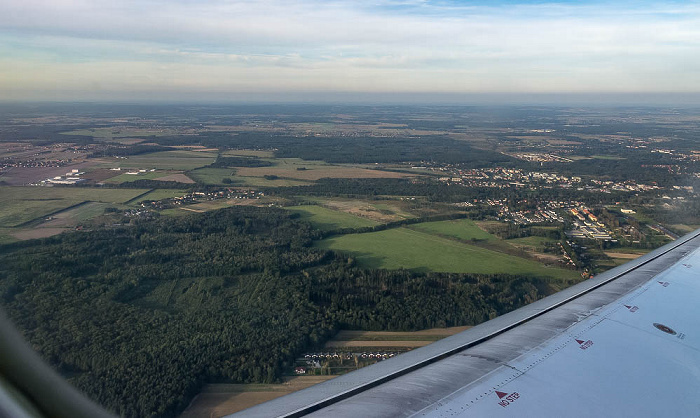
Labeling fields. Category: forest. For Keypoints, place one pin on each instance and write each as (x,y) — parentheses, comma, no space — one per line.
(140,317)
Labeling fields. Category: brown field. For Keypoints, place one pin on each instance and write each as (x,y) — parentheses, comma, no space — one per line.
(380,211)
(217,400)
(386,344)
(626,256)
(562,142)
(432,332)
(200,148)
(392,339)
(685,228)
(314,172)
(181,178)
(544,258)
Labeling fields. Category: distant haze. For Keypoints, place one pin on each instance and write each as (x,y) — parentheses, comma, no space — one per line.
(567,52)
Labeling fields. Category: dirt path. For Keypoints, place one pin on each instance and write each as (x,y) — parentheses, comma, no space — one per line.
(384,344)
(626,256)
(217,400)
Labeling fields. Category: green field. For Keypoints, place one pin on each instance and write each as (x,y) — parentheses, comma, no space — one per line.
(328,219)
(468,231)
(5,237)
(463,229)
(420,251)
(210,175)
(83,212)
(248,153)
(159,194)
(23,204)
(263,182)
(124,177)
(167,160)
(214,176)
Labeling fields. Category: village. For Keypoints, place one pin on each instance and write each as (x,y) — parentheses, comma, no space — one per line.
(505,178)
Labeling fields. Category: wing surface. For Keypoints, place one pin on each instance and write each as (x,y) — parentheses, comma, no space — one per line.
(625,343)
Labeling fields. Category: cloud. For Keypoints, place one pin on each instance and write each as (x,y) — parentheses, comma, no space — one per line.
(314,45)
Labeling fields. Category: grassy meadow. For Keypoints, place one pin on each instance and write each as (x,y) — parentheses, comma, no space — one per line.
(421,251)
(328,219)
(167,160)
(24,204)
(463,229)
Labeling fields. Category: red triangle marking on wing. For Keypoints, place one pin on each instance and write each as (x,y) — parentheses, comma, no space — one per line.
(580,342)
(501,394)
(628,307)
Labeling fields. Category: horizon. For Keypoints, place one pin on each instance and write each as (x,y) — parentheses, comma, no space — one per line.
(611,100)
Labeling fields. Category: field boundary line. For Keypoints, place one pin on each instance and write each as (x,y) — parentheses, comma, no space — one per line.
(56,212)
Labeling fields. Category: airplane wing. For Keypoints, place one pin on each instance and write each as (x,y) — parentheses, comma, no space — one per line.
(624,343)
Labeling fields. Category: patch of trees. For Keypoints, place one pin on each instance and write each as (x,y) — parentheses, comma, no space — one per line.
(231,162)
(141,317)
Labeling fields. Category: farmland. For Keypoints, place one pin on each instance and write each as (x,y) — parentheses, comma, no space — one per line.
(284,172)
(33,212)
(166,160)
(217,400)
(423,252)
(248,153)
(328,219)
(463,229)
(159,194)
(126,177)
(377,210)
(214,176)
(313,170)
(24,204)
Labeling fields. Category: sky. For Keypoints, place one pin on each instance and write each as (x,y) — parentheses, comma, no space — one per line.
(307,50)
